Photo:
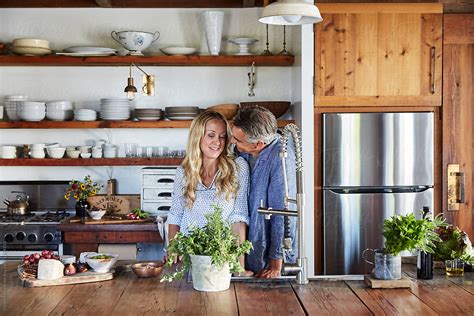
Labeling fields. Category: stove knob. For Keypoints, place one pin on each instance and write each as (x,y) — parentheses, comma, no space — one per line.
(48,237)
(32,237)
(20,235)
(8,238)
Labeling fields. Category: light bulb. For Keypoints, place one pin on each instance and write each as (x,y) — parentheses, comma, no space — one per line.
(130,95)
(291,18)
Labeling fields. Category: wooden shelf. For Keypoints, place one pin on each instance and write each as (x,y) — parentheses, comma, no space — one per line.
(104,124)
(191,60)
(46,162)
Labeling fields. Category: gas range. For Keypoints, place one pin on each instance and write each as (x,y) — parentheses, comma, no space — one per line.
(26,234)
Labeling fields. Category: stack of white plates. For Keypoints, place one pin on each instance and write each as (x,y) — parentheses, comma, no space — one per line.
(114,109)
(182,112)
(85,115)
(88,51)
(148,114)
(12,103)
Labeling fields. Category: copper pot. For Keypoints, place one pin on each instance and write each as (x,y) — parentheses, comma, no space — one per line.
(19,206)
(148,269)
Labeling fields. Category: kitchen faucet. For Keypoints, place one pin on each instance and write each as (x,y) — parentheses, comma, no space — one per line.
(301,266)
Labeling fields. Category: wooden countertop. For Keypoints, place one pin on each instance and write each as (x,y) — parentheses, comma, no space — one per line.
(129,295)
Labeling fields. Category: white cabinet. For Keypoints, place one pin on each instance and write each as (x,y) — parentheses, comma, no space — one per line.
(157,188)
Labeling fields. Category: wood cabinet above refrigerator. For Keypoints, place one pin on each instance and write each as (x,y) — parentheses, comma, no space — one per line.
(374,54)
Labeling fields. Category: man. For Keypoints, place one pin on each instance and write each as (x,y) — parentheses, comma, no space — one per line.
(254,132)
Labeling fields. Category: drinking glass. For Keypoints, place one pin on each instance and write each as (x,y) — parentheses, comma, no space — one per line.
(454,267)
(130,150)
(149,151)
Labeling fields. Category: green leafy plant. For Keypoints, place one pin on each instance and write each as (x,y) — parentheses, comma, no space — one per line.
(405,232)
(454,244)
(215,239)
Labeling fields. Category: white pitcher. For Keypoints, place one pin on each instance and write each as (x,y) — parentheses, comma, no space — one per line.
(213,23)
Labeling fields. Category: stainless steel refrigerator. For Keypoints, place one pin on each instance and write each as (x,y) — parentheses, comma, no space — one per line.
(375,165)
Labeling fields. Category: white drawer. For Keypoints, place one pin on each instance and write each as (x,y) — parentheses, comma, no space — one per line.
(157,207)
(158,180)
(157,193)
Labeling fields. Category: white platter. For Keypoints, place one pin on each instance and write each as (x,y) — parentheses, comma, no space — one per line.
(88,49)
(178,50)
(87,54)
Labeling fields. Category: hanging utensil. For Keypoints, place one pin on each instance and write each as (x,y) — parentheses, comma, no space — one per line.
(252,80)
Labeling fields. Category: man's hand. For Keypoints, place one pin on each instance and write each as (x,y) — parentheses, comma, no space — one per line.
(273,270)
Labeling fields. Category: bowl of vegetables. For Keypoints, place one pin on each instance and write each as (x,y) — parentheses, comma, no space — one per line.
(101,262)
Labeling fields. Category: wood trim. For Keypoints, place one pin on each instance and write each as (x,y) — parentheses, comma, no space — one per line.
(377,101)
(248,3)
(458,29)
(106,124)
(380,8)
(80,162)
(104,3)
(190,60)
(129,237)
(79,227)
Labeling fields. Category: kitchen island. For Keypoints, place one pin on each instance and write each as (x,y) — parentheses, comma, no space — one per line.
(128,295)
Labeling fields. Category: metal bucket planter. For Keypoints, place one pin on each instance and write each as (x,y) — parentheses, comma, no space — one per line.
(386,266)
(208,277)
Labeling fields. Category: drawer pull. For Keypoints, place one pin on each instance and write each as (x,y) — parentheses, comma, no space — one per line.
(165,180)
(163,208)
(164,194)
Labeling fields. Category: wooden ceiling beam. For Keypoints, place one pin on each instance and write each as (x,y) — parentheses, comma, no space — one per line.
(248,3)
(104,3)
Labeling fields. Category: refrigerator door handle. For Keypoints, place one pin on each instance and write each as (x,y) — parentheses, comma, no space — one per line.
(369,190)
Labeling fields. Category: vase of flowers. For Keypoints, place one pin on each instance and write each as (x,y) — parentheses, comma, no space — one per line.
(80,191)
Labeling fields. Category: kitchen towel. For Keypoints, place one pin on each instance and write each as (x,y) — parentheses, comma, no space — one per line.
(163,229)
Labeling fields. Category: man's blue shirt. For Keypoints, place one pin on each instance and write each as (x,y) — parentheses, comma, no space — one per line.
(267,184)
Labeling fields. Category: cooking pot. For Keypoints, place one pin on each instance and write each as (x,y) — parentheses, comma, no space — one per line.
(19,206)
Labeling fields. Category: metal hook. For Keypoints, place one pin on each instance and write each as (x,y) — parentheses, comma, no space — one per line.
(252,80)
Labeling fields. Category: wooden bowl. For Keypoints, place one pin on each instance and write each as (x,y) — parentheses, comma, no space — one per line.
(148,269)
(278,108)
(228,110)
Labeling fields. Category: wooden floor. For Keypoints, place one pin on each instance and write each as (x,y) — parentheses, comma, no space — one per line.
(129,295)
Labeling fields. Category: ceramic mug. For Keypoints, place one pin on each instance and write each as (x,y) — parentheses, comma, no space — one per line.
(8,152)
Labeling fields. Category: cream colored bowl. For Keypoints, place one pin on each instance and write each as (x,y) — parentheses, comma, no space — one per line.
(31,51)
(31,42)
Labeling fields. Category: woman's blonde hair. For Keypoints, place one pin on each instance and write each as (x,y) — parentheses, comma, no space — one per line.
(226,182)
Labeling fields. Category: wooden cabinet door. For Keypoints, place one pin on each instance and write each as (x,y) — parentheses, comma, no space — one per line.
(458,113)
(378,55)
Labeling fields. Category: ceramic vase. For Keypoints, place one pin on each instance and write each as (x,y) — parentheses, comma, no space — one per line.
(208,277)
(82,206)
(213,23)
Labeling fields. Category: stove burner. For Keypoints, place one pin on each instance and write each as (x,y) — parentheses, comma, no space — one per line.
(48,217)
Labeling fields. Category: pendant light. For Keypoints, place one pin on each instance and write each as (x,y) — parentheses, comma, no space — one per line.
(291,12)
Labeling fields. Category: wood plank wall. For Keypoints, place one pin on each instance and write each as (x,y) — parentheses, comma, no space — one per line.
(458,112)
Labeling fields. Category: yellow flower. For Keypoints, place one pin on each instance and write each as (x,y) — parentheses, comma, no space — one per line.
(66,196)
(75,196)
(83,186)
(94,191)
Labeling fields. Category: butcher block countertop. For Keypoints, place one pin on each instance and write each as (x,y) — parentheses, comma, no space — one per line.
(128,295)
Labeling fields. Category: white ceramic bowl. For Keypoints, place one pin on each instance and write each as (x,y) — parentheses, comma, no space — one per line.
(31,51)
(135,41)
(178,50)
(86,155)
(73,153)
(97,214)
(31,116)
(59,115)
(65,259)
(59,105)
(56,152)
(31,42)
(101,265)
(31,105)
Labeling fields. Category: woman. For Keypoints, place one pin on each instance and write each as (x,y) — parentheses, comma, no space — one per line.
(209,175)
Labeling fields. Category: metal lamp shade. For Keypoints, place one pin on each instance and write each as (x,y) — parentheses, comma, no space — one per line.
(291,12)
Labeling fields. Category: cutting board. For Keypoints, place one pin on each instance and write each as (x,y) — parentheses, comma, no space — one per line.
(374,283)
(112,219)
(84,277)
(116,203)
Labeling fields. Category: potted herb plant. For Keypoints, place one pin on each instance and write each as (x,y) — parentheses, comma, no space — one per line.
(403,233)
(212,251)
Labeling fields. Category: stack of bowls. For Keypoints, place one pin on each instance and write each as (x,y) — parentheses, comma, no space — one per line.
(148,114)
(56,152)
(12,104)
(85,115)
(31,111)
(182,112)
(114,109)
(59,110)
(31,47)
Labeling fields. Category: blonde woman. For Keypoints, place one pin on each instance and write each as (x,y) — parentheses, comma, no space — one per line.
(210,174)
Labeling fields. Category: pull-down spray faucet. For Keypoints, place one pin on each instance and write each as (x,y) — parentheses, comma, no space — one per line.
(301,266)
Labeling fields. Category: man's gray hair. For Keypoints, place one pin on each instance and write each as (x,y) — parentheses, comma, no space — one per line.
(258,123)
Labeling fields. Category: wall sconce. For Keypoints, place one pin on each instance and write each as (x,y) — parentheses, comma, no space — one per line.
(148,84)
(291,12)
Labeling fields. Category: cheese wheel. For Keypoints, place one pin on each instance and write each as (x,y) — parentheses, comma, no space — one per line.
(50,269)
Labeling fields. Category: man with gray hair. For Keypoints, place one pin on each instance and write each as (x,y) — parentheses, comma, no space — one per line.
(254,132)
